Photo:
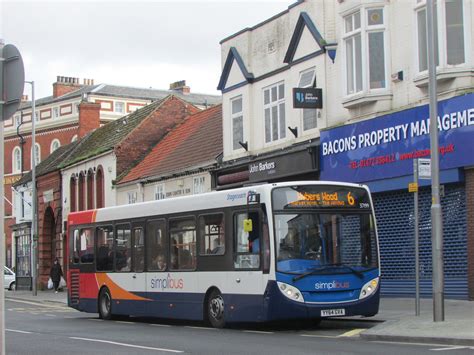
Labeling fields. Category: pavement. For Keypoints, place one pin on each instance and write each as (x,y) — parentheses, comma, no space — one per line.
(396,317)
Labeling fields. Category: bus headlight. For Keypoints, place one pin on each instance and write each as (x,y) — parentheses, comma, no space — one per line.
(369,288)
(290,292)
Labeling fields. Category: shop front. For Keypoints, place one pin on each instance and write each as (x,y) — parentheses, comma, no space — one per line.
(299,162)
(379,152)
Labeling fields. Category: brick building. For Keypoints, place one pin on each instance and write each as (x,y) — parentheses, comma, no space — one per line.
(70,113)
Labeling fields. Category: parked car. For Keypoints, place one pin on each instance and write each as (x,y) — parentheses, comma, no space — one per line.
(8,278)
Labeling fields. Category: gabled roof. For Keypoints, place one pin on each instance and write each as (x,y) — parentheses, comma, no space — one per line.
(108,136)
(50,164)
(232,56)
(193,145)
(303,21)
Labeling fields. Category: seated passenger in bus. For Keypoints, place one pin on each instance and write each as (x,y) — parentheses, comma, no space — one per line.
(160,262)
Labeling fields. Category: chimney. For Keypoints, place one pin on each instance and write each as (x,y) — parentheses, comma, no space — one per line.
(180,86)
(89,117)
(66,84)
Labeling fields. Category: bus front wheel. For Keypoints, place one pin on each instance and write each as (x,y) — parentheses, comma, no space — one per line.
(105,304)
(215,309)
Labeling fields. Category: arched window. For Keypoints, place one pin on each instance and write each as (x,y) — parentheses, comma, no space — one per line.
(55,144)
(90,189)
(36,155)
(72,194)
(74,138)
(16,161)
(99,180)
(82,191)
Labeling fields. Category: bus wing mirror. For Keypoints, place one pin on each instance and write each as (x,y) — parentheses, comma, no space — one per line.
(248,225)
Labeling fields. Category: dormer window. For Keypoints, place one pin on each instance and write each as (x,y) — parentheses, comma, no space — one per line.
(237,122)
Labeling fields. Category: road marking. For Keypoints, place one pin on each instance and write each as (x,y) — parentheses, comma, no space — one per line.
(124,322)
(405,343)
(452,348)
(34,303)
(50,315)
(127,345)
(161,325)
(317,336)
(96,319)
(202,328)
(352,332)
(17,331)
(257,332)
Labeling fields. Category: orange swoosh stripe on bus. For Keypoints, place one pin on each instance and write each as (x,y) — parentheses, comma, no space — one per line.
(117,292)
(94,215)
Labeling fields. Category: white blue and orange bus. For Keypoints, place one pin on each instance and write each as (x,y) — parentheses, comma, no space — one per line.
(292,250)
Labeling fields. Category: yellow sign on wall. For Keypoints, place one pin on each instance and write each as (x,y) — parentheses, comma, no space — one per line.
(9,180)
(413,187)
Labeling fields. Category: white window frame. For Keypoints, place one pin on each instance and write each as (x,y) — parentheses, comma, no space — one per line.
(36,154)
(53,143)
(274,103)
(233,117)
(16,160)
(160,193)
(440,10)
(364,30)
(199,184)
(74,138)
(310,85)
(116,108)
(132,197)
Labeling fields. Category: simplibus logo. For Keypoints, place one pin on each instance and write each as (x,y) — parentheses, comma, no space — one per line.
(167,283)
(336,285)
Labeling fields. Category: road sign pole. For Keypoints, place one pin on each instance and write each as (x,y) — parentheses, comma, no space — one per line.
(436,216)
(417,241)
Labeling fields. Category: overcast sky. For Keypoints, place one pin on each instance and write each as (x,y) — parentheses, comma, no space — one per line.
(134,43)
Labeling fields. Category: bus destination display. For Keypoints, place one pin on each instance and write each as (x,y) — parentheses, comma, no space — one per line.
(320,196)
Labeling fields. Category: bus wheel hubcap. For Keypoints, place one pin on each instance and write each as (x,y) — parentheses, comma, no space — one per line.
(106,303)
(217,307)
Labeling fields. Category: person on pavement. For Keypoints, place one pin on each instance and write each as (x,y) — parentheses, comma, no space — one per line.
(56,273)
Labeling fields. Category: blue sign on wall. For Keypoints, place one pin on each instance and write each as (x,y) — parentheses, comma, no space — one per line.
(385,147)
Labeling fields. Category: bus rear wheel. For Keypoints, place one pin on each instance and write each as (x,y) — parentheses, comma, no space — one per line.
(215,309)
(105,304)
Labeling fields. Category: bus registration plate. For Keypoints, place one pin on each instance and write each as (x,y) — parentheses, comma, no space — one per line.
(333,312)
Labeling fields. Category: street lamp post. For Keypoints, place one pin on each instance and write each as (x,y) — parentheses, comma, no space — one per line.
(436,216)
(34,227)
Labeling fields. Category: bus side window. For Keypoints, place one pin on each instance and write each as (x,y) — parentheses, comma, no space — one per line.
(105,243)
(211,234)
(76,246)
(86,251)
(138,250)
(183,243)
(247,243)
(156,245)
(123,256)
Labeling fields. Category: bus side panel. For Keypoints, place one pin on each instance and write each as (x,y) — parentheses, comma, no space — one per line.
(176,305)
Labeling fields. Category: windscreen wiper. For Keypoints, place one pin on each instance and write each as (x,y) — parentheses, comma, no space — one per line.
(359,274)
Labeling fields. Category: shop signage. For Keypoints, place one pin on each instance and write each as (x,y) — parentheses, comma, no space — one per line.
(307,98)
(282,166)
(385,147)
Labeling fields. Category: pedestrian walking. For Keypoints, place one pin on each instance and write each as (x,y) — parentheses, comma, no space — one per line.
(56,273)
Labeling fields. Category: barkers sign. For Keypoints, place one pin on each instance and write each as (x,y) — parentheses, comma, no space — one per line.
(384,147)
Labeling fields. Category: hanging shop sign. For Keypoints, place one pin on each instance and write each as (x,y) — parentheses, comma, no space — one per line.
(385,147)
(307,98)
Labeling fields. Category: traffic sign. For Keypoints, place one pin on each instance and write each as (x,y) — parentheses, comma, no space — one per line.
(413,187)
(12,82)
(424,169)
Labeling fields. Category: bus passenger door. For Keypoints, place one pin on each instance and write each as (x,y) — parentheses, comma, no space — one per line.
(247,284)
(137,274)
